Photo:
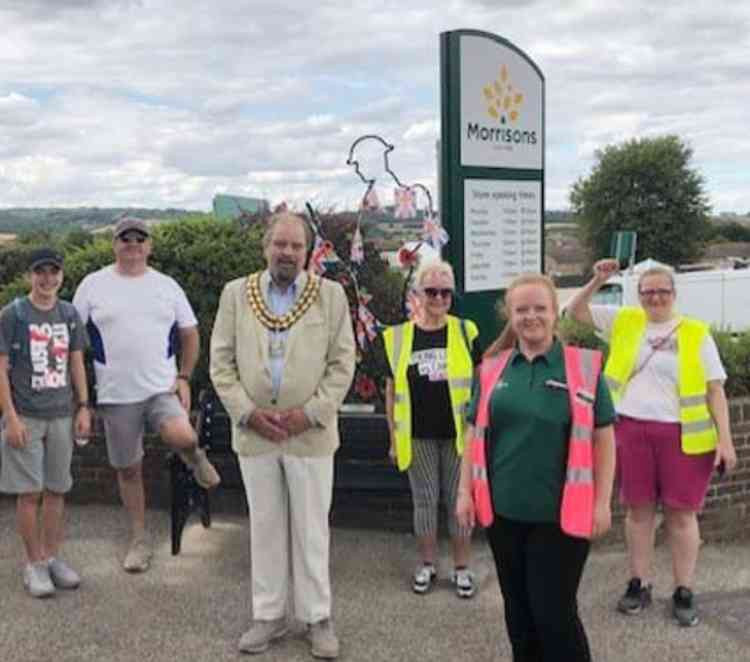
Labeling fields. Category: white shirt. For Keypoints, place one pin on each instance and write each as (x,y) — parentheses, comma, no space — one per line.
(653,393)
(133,324)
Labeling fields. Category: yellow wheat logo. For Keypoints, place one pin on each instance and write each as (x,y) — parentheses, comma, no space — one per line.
(504,101)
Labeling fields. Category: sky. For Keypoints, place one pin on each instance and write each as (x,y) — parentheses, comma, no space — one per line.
(154,103)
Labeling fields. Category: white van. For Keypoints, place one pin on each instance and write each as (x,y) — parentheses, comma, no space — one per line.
(719,297)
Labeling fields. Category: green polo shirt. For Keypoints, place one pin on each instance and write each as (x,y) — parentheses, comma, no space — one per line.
(528,435)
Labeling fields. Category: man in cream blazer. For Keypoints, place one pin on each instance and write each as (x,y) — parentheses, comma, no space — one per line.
(282,360)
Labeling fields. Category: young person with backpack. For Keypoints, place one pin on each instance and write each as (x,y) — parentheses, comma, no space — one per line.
(41,370)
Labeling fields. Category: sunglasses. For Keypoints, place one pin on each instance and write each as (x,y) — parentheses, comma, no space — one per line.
(661,292)
(132,238)
(434,292)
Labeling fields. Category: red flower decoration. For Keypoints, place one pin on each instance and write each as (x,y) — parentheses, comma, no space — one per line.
(407,258)
(365,387)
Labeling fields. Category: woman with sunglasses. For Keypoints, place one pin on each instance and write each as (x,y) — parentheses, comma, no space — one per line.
(667,382)
(429,368)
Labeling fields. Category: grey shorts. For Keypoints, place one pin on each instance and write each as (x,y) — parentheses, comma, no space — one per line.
(124,425)
(44,463)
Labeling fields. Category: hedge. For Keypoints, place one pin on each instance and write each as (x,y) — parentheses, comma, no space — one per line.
(203,254)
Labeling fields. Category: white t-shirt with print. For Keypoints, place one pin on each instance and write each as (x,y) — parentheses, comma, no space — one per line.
(653,393)
(132,324)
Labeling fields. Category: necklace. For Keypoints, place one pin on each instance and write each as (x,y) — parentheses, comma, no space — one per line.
(292,316)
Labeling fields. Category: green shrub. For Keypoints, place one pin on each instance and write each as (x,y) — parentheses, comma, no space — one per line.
(734,350)
(581,335)
(202,255)
(199,253)
(735,355)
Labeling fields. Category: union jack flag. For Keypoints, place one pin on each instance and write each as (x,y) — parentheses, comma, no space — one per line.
(433,232)
(367,326)
(357,254)
(406,202)
(370,201)
(323,256)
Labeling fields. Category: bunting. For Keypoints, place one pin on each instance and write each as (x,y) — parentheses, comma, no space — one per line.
(433,232)
(405,202)
(357,254)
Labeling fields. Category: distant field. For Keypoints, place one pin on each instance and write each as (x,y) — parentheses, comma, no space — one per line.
(24,220)
(6,238)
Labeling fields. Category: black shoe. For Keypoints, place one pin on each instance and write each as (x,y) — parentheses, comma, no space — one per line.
(637,597)
(683,607)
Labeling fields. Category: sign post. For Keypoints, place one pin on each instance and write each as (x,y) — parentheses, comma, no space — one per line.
(492,168)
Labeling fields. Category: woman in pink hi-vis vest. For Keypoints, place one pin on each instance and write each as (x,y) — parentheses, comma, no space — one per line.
(542,483)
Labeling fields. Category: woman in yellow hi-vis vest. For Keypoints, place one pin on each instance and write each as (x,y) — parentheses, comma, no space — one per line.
(430,364)
(667,382)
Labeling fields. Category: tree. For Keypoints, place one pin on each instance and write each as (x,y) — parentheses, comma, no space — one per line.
(731,231)
(648,186)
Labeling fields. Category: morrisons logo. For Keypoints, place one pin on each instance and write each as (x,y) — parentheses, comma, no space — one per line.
(498,134)
(504,102)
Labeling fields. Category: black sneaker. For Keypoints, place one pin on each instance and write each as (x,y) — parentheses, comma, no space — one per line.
(683,607)
(637,597)
(424,578)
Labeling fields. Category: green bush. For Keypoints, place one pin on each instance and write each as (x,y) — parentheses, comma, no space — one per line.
(582,335)
(735,355)
(202,255)
(199,253)
(734,350)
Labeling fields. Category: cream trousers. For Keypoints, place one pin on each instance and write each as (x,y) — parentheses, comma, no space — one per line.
(289,498)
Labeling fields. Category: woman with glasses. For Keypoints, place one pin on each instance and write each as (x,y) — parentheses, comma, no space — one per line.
(430,363)
(667,382)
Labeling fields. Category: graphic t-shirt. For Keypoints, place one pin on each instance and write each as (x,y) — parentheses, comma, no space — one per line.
(431,411)
(39,350)
(133,325)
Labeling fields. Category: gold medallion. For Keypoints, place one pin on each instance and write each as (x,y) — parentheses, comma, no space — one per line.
(292,316)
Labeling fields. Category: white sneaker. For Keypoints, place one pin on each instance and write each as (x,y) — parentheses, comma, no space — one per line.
(424,577)
(463,580)
(37,581)
(260,635)
(138,558)
(62,575)
(324,643)
(205,474)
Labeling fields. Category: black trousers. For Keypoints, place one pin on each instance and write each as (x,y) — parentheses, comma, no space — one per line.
(539,569)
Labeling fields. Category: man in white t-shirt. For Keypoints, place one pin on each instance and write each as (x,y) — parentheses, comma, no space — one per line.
(137,318)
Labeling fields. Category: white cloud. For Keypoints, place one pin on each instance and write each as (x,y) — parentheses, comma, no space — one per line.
(148,102)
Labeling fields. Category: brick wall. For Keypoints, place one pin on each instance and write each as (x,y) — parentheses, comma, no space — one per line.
(726,514)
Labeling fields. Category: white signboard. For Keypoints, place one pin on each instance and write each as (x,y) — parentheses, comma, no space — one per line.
(501,107)
(502,232)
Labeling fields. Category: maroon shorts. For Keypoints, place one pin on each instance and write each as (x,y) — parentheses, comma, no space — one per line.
(651,466)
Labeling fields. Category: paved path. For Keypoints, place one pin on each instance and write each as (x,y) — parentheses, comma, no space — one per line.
(195,606)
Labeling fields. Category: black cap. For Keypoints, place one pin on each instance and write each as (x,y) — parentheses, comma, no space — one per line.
(130,223)
(42,256)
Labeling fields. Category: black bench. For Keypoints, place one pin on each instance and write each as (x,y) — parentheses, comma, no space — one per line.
(361,465)
(212,427)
